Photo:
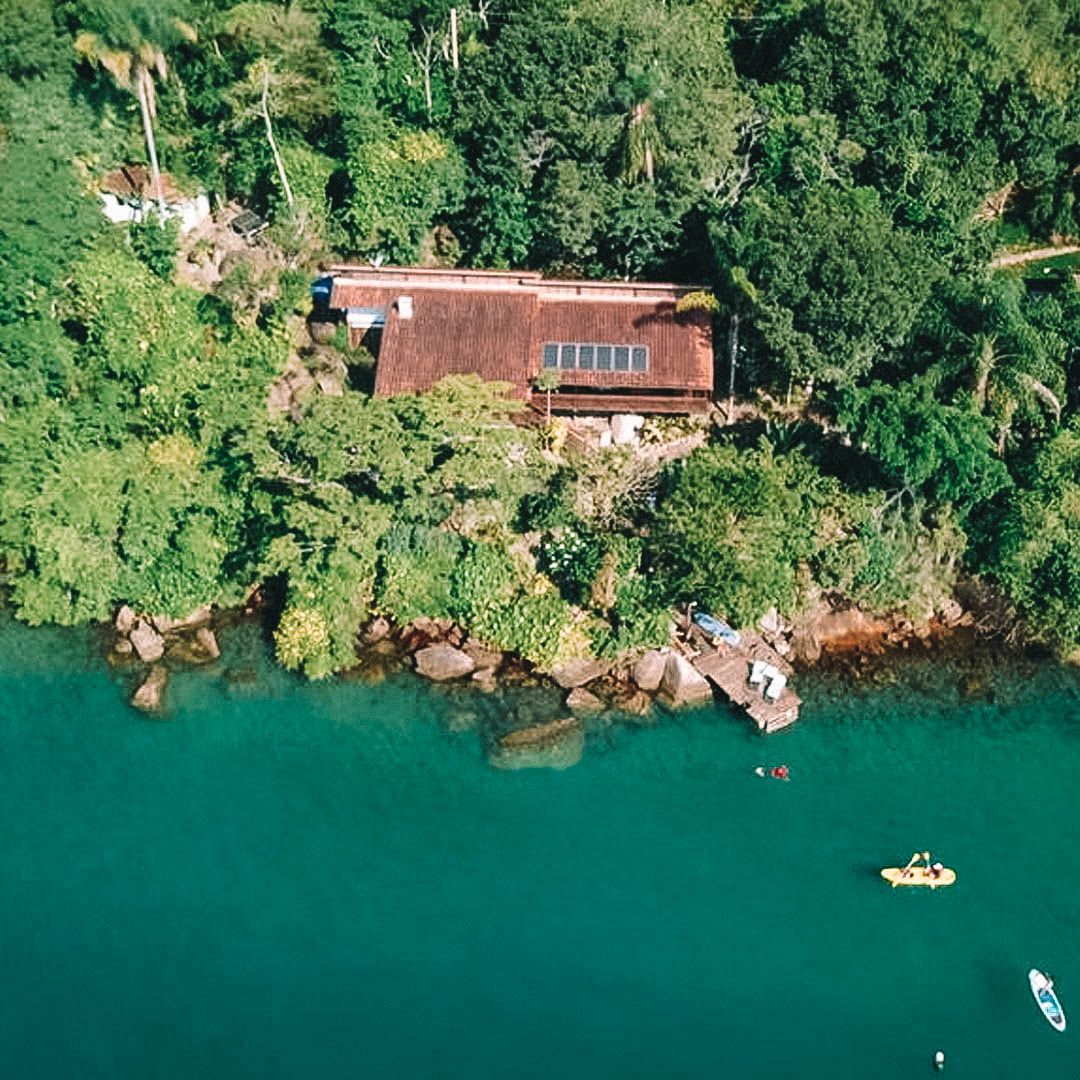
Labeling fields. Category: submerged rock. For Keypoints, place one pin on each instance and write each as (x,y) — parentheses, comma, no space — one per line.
(637,706)
(555,745)
(441,662)
(462,721)
(198,648)
(580,700)
(148,696)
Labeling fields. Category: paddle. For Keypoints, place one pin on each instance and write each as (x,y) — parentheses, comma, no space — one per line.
(912,861)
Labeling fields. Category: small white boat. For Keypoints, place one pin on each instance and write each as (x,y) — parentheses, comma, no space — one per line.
(1042,986)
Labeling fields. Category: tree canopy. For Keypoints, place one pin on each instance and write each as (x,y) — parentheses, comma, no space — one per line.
(854,187)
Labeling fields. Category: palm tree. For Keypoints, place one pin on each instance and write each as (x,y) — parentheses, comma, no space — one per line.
(1001,384)
(130,45)
(640,148)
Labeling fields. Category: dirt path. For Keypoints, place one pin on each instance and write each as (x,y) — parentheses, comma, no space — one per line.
(1016,257)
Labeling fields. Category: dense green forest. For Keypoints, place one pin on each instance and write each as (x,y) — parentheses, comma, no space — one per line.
(842,173)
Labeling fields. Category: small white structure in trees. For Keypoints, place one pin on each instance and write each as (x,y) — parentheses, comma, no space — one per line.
(128,195)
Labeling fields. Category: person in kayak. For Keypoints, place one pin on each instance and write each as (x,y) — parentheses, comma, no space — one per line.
(936,870)
(779,772)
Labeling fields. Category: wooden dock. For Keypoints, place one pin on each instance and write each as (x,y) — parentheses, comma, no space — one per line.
(727,667)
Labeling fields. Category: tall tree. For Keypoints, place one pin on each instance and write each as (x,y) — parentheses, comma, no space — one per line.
(129,40)
(287,75)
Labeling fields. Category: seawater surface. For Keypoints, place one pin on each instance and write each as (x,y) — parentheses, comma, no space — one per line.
(285,880)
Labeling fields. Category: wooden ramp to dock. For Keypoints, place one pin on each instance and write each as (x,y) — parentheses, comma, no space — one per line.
(728,668)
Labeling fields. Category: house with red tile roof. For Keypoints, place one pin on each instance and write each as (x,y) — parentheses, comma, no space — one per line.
(618,347)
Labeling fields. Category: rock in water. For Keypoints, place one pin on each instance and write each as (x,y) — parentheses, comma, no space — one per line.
(683,684)
(149,694)
(580,700)
(441,662)
(649,670)
(149,644)
(556,745)
(207,642)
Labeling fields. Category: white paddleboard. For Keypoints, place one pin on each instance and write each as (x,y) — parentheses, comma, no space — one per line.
(1046,999)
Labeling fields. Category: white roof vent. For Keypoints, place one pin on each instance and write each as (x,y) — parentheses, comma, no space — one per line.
(404,307)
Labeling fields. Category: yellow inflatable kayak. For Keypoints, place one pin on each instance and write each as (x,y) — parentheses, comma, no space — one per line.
(918,875)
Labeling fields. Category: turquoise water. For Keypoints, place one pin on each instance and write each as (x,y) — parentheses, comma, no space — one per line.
(328,881)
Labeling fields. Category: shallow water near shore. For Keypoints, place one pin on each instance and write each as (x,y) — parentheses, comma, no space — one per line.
(285,880)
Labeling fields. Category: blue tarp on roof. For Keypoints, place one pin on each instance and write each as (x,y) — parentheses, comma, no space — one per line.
(320,291)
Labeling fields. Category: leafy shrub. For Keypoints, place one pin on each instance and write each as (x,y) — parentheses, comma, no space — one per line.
(416,571)
(155,244)
(733,529)
(638,617)
(301,636)
(295,297)
(551,506)
(571,558)
(499,604)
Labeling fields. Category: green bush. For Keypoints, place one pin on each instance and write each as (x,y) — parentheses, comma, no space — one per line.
(571,558)
(498,603)
(155,243)
(416,573)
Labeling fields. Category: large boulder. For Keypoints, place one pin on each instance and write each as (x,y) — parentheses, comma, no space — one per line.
(649,670)
(375,631)
(485,659)
(149,694)
(951,612)
(771,623)
(579,672)
(683,684)
(126,620)
(441,662)
(555,745)
(149,644)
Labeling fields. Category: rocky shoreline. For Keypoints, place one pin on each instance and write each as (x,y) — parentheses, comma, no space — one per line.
(582,696)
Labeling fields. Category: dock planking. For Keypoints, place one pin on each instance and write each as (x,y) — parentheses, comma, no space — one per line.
(728,669)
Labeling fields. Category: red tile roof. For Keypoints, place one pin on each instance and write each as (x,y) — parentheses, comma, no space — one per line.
(135,180)
(453,333)
(495,323)
(680,346)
